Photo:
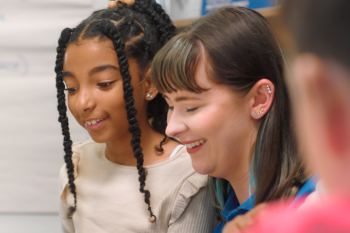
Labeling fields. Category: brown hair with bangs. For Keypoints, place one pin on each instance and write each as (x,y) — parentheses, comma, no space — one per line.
(240,50)
(178,65)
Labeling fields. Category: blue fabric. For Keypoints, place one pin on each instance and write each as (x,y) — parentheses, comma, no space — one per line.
(232,209)
(305,190)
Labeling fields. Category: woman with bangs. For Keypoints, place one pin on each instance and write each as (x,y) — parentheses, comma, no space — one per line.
(223,80)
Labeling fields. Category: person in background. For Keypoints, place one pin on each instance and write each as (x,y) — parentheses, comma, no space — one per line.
(103,64)
(223,80)
(320,87)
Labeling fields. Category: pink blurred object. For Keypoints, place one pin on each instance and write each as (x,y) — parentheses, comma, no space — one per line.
(331,215)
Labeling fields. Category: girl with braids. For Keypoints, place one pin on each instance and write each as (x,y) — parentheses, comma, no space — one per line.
(228,102)
(104,65)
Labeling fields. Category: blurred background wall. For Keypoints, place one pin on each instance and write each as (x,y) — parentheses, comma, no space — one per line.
(31,142)
(31,151)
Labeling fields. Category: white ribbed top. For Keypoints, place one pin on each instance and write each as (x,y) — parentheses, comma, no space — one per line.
(109,200)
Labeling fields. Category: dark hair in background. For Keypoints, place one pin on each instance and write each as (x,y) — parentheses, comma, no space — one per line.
(241,50)
(148,28)
(320,27)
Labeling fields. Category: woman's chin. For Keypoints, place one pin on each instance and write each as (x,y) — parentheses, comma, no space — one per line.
(201,168)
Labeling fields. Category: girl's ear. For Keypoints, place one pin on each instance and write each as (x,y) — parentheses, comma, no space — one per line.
(151,91)
(261,98)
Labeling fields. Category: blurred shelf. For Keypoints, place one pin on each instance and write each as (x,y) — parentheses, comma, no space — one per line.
(268,13)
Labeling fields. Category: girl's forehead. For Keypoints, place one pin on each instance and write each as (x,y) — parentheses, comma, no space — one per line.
(93,43)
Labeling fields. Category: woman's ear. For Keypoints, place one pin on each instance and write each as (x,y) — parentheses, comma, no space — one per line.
(151,91)
(261,95)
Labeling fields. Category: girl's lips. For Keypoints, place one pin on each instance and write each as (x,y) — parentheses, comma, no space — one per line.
(96,126)
(195,149)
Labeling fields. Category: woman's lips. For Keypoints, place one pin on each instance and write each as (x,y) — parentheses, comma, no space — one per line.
(195,146)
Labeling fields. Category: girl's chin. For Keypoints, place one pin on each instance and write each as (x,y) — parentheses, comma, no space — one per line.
(99,138)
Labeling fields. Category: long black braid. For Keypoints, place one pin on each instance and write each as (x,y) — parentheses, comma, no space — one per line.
(158,16)
(62,109)
(148,28)
(111,31)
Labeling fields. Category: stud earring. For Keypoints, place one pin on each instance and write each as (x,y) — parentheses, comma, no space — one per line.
(268,89)
(150,96)
(258,113)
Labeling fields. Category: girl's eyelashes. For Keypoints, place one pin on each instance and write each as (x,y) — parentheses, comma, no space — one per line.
(104,85)
(71,90)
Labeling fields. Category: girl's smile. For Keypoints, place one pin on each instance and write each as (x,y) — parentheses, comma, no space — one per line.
(95,124)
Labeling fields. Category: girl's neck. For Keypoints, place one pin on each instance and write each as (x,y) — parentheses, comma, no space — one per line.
(121,152)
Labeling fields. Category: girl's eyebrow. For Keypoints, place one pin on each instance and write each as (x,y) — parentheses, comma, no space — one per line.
(93,71)
(102,68)
(67,74)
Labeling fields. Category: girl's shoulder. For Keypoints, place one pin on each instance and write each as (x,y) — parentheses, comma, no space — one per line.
(80,150)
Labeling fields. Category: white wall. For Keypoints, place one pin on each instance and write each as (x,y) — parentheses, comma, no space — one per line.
(31,151)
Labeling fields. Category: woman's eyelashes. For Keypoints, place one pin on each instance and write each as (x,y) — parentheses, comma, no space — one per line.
(171,108)
(191,109)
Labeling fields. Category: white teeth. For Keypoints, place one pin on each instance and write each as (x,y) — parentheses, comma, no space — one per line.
(94,121)
(195,144)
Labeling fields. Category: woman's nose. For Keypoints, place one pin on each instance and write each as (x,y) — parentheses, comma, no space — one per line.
(176,126)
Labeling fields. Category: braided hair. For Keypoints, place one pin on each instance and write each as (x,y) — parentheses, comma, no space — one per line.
(147,28)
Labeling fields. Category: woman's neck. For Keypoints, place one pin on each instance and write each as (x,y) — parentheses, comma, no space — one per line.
(241,187)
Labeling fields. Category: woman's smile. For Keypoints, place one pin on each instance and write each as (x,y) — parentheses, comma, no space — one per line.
(195,145)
